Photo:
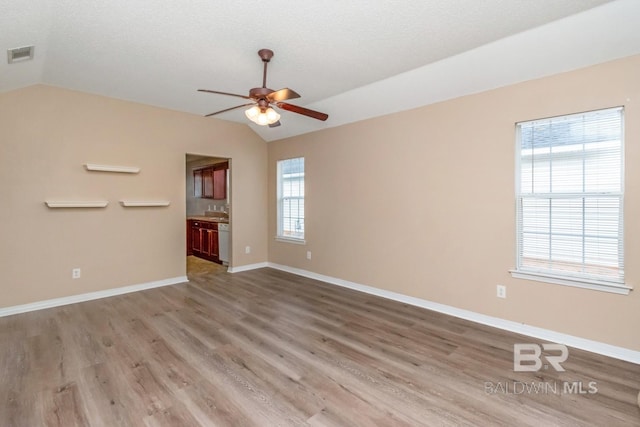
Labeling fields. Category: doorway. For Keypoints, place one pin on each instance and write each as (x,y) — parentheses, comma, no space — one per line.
(208,215)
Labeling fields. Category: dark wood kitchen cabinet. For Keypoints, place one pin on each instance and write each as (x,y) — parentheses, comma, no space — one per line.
(211,182)
(207,183)
(220,183)
(197,183)
(196,238)
(214,253)
(204,240)
(189,238)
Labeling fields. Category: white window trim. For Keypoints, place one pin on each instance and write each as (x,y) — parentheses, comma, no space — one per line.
(596,285)
(614,288)
(293,240)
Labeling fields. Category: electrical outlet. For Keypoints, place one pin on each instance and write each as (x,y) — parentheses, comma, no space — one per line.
(501,291)
(308,254)
(247,249)
(75,273)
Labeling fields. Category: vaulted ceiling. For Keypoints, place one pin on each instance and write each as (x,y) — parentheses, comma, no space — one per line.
(351,59)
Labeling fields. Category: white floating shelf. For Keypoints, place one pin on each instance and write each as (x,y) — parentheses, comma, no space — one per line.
(58,204)
(107,168)
(142,204)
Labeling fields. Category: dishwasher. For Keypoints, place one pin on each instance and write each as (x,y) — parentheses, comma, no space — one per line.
(223,243)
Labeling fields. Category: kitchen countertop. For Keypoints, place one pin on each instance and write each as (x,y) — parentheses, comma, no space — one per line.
(209,219)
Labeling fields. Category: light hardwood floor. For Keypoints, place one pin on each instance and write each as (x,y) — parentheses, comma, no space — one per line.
(269,348)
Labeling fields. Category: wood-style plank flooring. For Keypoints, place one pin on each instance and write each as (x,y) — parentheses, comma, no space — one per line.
(266,348)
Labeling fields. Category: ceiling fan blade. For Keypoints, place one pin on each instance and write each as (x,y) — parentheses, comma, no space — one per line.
(275,125)
(282,95)
(224,93)
(229,109)
(301,110)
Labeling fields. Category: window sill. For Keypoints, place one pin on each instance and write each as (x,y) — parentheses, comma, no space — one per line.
(620,289)
(291,240)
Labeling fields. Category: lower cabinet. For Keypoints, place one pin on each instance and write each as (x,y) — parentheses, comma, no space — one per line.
(203,239)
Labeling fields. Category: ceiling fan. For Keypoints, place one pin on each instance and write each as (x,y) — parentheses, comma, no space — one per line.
(262,98)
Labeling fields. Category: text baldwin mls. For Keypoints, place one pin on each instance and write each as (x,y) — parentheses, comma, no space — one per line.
(540,387)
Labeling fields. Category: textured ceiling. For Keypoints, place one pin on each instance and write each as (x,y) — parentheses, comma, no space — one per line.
(352,60)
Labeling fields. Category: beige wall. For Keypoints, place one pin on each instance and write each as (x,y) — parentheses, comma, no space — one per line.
(47,134)
(422,203)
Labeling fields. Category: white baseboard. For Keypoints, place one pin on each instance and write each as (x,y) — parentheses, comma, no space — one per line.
(507,325)
(56,302)
(247,267)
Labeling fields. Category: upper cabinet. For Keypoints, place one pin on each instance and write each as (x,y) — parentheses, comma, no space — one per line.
(207,183)
(211,182)
(197,183)
(220,183)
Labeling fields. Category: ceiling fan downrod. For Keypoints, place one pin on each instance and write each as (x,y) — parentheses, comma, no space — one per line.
(265,55)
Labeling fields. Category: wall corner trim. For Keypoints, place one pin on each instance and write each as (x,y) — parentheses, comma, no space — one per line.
(57,302)
(604,349)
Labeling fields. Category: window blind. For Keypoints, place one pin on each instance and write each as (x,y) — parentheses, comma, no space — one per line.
(570,196)
(291,198)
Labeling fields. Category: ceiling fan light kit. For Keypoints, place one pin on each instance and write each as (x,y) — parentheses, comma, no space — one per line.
(262,98)
(262,117)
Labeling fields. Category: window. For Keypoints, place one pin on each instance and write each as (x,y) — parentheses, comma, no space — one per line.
(569,185)
(291,199)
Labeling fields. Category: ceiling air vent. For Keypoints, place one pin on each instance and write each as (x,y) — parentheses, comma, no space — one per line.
(20,54)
